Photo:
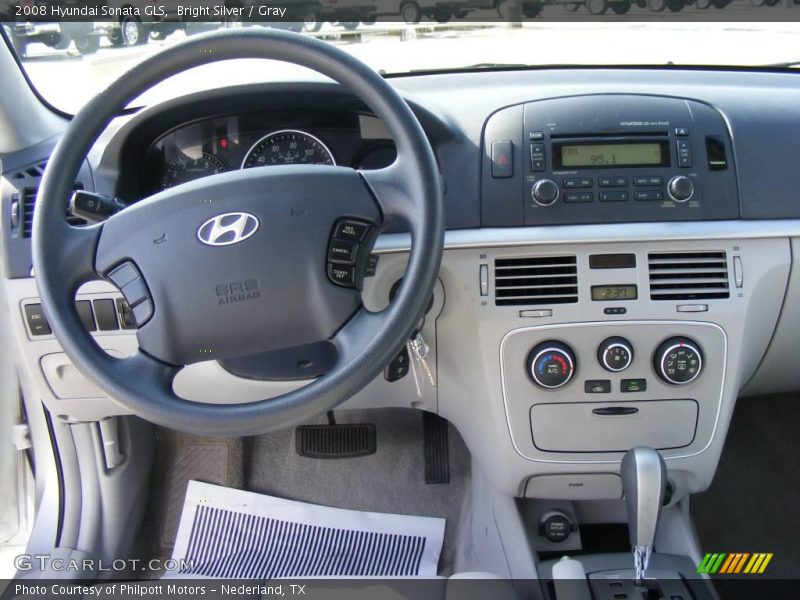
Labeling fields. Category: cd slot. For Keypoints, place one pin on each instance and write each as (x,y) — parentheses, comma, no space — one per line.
(609,135)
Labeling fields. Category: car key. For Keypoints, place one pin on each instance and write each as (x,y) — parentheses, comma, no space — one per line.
(413,367)
(420,350)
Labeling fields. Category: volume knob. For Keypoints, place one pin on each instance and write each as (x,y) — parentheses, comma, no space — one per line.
(544,192)
(680,188)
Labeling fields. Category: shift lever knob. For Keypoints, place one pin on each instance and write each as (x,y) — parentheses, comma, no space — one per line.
(644,482)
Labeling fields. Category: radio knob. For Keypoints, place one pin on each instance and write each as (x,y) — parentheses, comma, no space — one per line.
(680,188)
(615,354)
(678,360)
(551,364)
(544,192)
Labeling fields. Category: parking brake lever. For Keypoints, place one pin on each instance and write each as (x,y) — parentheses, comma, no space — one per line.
(94,207)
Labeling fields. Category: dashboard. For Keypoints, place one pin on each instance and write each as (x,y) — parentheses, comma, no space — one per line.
(256,139)
(620,261)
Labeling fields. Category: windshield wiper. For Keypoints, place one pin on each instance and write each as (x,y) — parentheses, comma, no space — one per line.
(791,64)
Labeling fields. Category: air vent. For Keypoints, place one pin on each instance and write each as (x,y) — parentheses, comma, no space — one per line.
(28,200)
(538,280)
(32,171)
(688,275)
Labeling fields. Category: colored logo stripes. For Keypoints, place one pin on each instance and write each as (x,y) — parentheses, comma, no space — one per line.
(734,562)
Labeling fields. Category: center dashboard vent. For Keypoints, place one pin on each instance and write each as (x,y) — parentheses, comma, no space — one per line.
(688,275)
(535,280)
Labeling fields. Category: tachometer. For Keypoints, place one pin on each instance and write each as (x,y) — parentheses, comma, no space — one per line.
(186,169)
(288,147)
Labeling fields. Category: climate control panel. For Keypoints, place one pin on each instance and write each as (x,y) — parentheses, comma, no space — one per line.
(599,388)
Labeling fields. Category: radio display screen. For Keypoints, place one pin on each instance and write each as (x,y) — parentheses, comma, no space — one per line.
(601,154)
(614,292)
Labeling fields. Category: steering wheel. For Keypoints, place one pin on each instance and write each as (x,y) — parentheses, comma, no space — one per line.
(237,264)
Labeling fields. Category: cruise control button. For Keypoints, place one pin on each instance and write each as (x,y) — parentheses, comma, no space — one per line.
(142,312)
(633,385)
(135,291)
(37,322)
(342,251)
(124,274)
(344,275)
(349,230)
(597,386)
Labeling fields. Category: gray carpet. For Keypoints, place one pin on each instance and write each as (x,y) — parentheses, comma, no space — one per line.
(752,505)
(391,480)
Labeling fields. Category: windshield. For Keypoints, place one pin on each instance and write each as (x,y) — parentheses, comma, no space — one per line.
(70,62)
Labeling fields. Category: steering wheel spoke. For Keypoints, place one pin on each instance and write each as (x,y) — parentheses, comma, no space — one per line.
(391,190)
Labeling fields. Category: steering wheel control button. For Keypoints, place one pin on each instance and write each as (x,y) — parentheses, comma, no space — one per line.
(37,322)
(124,274)
(597,386)
(343,252)
(344,275)
(125,313)
(615,354)
(132,285)
(350,230)
(551,364)
(544,192)
(84,308)
(678,360)
(502,159)
(680,188)
(106,314)
(142,312)
(633,385)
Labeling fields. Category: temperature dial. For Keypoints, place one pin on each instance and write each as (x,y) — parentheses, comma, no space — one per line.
(615,354)
(551,364)
(678,360)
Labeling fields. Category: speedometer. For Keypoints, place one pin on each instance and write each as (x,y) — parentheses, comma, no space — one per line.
(288,147)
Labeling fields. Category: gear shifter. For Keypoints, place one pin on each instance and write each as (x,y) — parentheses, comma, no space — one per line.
(644,481)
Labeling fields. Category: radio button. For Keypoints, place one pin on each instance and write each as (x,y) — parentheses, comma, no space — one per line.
(536,135)
(613,196)
(578,197)
(583,182)
(682,131)
(680,188)
(684,153)
(648,180)
(649,195)
(544,192)
(537,157)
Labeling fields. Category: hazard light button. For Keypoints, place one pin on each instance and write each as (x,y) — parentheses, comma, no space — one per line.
(502,159)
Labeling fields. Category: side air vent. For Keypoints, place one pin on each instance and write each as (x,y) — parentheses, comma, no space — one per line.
(688,275)
(32,171)
(28,201)
(536,280)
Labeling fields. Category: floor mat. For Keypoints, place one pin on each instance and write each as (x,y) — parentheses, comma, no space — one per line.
(390,481)
(231,533)
(752,504)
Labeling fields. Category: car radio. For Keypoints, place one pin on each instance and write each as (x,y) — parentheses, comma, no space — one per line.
(607,158)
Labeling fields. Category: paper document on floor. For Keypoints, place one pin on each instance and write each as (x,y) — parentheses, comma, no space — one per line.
(231,533)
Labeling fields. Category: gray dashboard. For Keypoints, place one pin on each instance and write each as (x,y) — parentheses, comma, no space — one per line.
(744,218)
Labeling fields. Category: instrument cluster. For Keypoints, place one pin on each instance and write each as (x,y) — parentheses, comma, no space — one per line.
(244,141)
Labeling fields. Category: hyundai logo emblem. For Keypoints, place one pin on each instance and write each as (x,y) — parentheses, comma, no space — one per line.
(228,228)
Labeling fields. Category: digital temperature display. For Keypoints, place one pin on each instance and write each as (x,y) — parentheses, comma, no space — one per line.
(598,155)
(614,292)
